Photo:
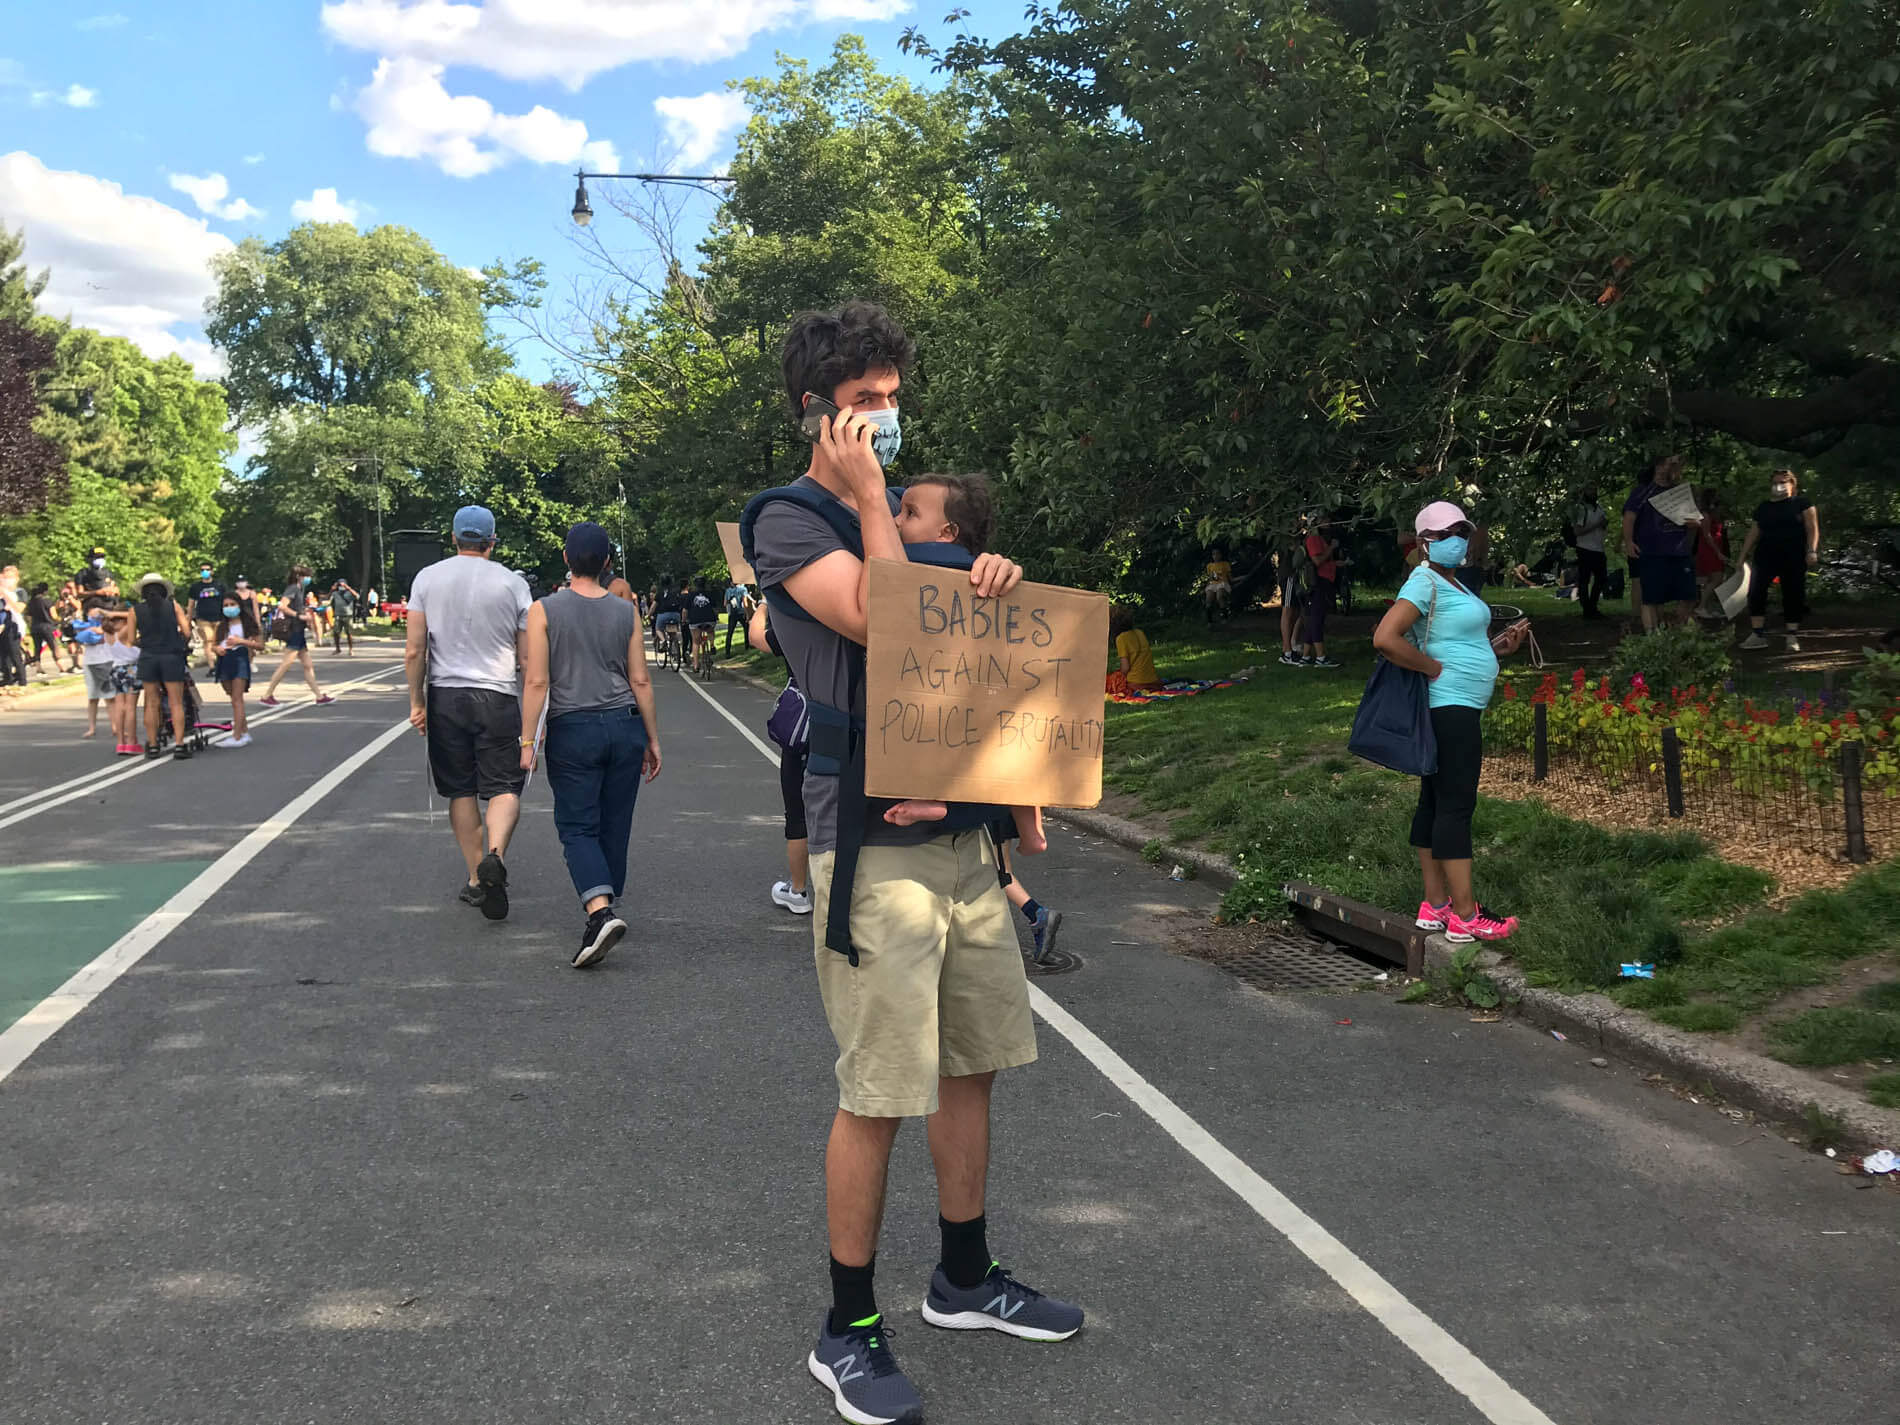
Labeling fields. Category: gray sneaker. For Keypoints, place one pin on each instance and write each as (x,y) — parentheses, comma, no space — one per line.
(1000,1303)
(857,1366)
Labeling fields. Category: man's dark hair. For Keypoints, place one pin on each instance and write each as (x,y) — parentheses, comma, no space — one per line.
(823,350)
(588,566)
(967,505)
(39,588)
(699,585)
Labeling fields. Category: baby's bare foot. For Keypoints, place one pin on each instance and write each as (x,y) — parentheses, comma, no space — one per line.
(910,812)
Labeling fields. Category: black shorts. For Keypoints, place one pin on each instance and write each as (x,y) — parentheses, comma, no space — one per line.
(475,743)
(162,668)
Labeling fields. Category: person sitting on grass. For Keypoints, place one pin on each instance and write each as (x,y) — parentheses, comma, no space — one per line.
(1135,658)
(1218,592)
(955,509)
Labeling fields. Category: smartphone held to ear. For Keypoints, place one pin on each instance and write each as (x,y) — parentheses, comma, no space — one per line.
(811,425)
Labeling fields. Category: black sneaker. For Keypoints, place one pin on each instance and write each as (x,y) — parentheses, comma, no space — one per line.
(603,932)
(181,753)
(1000,1303)
(472,895)
(493,877)
(857,1366)
(1292,660)
(1325,663)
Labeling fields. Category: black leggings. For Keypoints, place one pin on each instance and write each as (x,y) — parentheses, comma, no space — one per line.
(1792,570)
(791,790)
(1447,798)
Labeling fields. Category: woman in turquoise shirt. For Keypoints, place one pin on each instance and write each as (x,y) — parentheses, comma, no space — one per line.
(1455,650)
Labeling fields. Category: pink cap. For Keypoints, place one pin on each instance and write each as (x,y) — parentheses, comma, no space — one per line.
(1438,515)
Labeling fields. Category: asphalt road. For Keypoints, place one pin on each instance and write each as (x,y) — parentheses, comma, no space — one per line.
(337,1149)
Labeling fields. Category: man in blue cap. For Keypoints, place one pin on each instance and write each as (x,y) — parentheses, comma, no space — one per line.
(467,618)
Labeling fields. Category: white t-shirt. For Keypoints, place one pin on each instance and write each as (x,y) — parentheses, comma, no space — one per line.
(473,608)
(121,653)
(1589,522)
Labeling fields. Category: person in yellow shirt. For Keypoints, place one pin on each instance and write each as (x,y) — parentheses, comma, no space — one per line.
(1136,657)
(1219,588)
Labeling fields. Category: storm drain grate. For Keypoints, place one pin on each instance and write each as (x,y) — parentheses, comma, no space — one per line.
(1297,962)
(1056,962)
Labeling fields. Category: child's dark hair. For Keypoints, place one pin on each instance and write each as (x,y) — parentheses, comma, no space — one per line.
(1121,619)
(967,505)
(823,350)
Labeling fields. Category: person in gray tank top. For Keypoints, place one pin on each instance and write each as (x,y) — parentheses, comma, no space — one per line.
(585,670)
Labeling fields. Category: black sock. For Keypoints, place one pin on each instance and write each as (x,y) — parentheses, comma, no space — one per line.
(851,1296)
(966,1254)
(1031,909)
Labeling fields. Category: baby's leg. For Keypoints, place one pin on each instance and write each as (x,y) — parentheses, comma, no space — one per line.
(1029,829)
(906,813)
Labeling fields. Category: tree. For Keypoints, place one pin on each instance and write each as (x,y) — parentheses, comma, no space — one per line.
(356,356)
(31,465)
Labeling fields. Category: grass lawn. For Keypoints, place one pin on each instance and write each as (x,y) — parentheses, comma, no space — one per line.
(1260,773)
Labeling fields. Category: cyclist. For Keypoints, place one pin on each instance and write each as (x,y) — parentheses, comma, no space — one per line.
(668,614)
(702,615)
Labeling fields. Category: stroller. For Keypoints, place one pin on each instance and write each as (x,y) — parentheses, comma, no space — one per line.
(198,731)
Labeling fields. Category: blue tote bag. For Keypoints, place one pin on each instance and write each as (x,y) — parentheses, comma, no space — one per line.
(1393,727)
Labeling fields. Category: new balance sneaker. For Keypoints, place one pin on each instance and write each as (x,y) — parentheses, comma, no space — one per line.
(493,878)
(1754,640)
(1483,925)
(603,932)
(1292,660)
(1325,663)
(1000,1303)
(1044,928)
(1432,917)
(797,902)
(857,1367)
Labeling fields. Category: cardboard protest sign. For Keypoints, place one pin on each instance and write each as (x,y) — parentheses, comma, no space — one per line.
(983,700)
(735,556)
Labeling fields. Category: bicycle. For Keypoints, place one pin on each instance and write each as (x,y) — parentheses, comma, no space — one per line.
(672,648)
(703,651)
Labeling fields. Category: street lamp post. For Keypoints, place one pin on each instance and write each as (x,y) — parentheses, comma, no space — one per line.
(583,211)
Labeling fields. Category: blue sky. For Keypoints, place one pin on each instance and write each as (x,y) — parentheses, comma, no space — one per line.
(140,139)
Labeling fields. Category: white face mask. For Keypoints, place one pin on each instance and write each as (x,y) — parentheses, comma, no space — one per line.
(887,437)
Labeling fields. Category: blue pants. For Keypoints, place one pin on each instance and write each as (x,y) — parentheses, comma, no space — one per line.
(593,763)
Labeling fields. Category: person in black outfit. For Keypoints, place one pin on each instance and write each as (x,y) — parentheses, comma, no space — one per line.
(95,578)
(206,598)
(43,624)
(164,636)
(702,616)
(1785,540)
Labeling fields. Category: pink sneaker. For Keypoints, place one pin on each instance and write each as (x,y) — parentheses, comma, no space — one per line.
(326,698)
(268,702)
(1482,926)
(1432,917)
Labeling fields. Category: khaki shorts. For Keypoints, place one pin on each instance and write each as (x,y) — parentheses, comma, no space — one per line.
(938,990)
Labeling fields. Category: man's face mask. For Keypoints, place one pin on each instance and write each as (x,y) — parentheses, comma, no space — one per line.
(887,438)
(98,564)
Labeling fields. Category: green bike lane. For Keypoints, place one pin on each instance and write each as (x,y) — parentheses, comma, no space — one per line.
(92,848)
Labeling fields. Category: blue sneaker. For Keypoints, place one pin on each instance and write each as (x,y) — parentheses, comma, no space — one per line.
(1000,1303)
(1046,924)
(857,1366)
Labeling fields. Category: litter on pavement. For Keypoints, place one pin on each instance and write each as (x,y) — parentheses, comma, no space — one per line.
(1559,1034)
(1884,1161)
(1639,972)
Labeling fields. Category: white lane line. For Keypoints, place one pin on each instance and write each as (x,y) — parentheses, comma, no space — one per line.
(96,781)
(47,1017)
(766,750)
(1493,1397)
(267,715)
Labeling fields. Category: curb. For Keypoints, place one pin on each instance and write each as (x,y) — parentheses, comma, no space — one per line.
(43,693)
(1207,865)
(1739,1077)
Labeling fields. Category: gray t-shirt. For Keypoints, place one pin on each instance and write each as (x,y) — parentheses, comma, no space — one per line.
(588,641)
(474,608)
(787,538)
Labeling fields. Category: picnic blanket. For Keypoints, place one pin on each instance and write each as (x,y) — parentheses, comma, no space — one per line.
(1120,692)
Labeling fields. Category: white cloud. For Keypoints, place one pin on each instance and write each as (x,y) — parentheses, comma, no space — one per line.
(573,40)
(253,158)
(699,127)
(77,96)
(209,194)
(411,114)
(129,265)
(323,206)
(102,22)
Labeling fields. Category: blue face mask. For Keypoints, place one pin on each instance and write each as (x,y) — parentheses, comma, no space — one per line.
(230,610)
(887,438)
(1448,553)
